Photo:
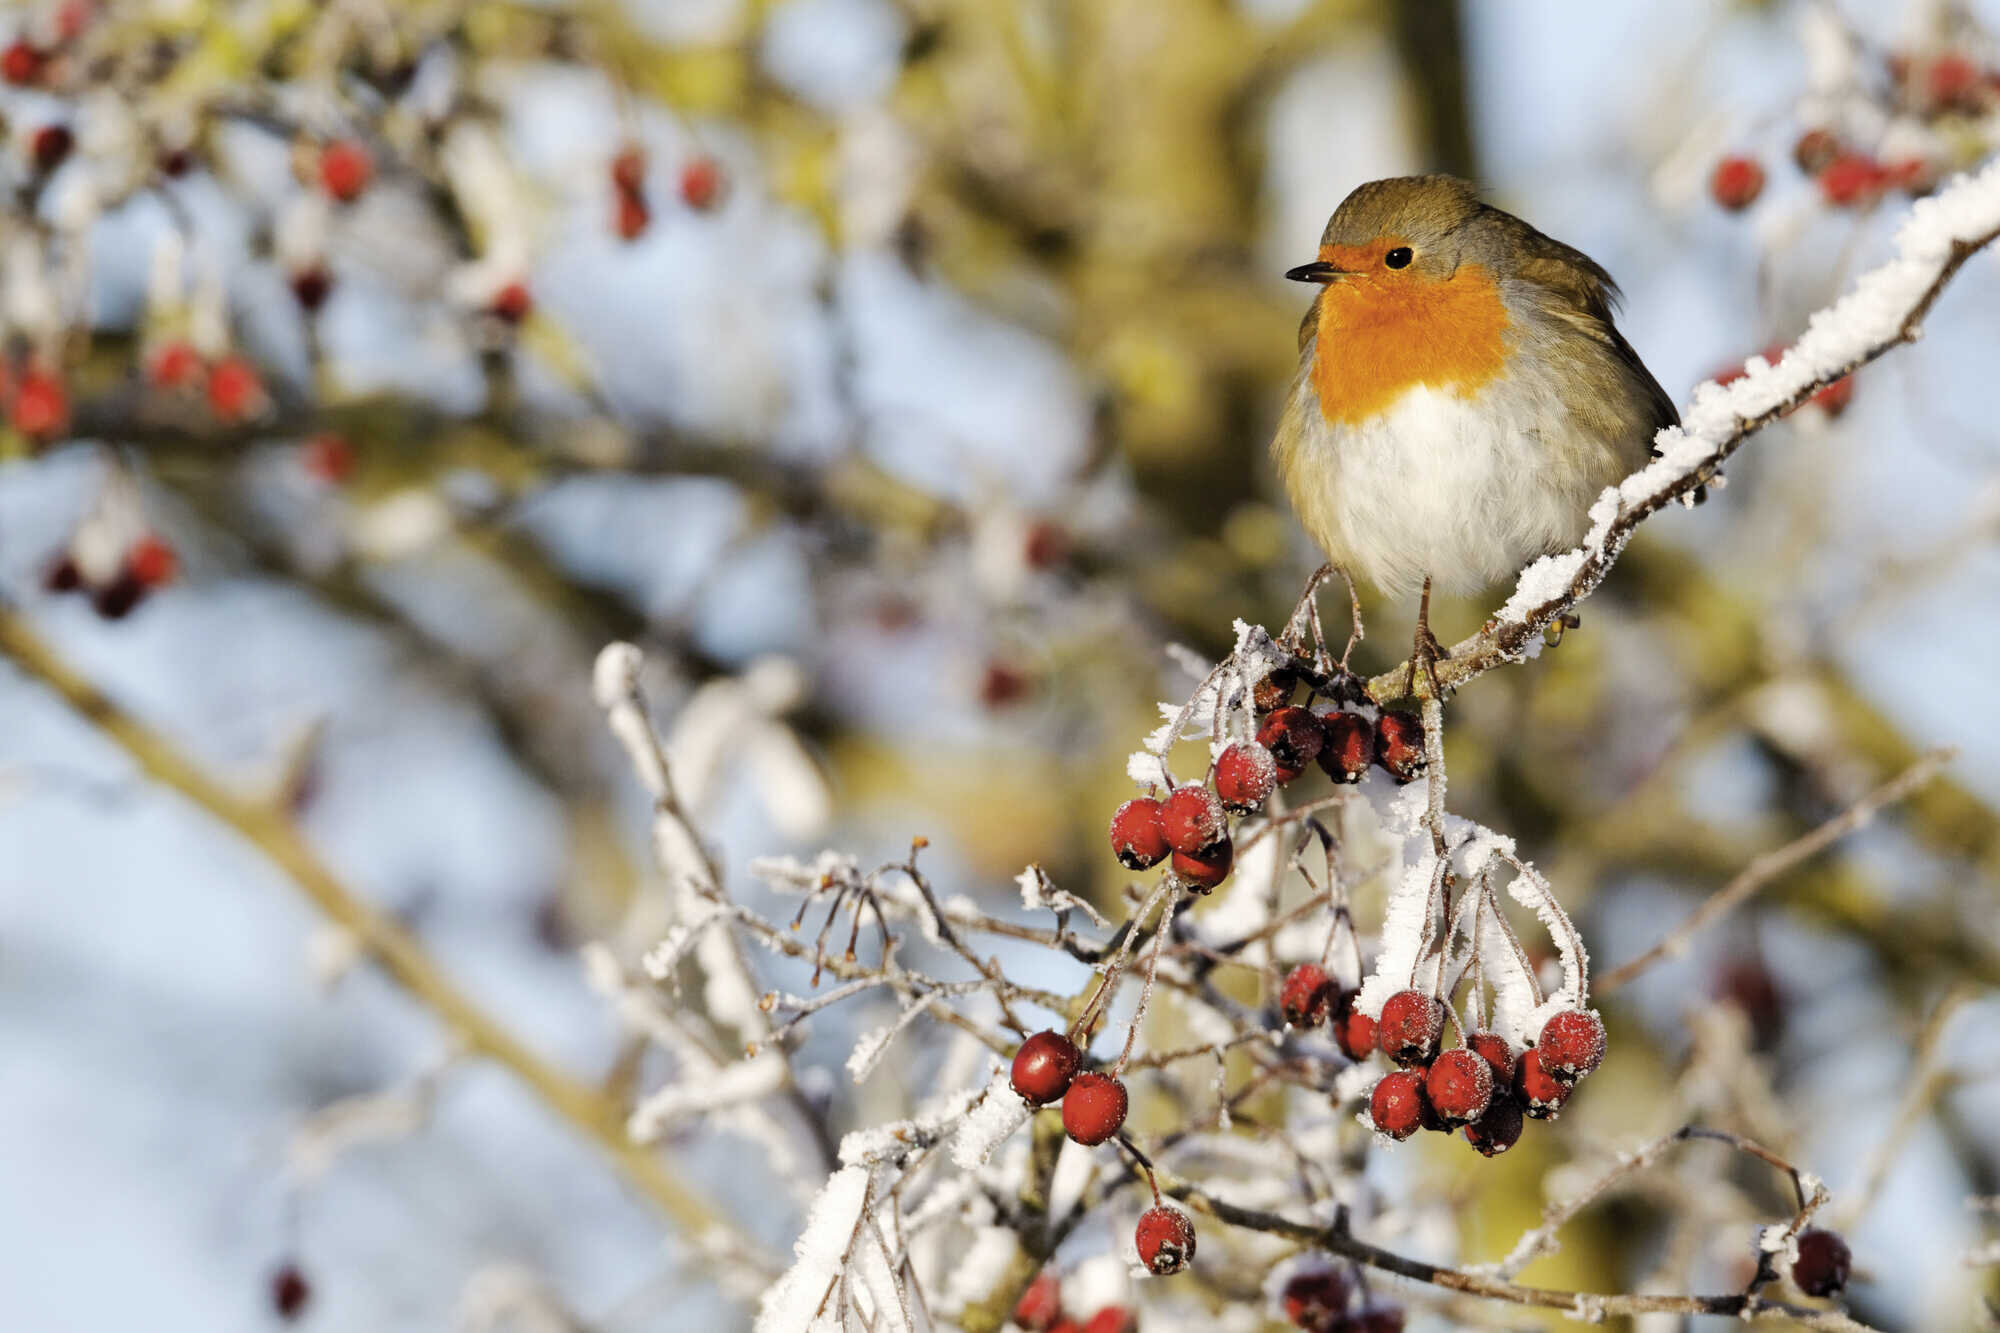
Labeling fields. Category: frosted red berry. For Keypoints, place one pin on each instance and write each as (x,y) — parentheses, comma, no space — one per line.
(1044,1066)
(1571,1044)
(1041,1304)
(41,405)
(1315,1299)
(1459,1084)
(1408,1028)
(1493,1048)
(1399,744)
(1293,736)
(1244,777)
(1137,839)
(345,168)
(1736,182)
(1275,690)
(1541,1094)
(1349,746)
(1093,1108)
(1165,1238)
(152,562)
(511,303)
(1823,1263)
(290,1292)
(1354,1030)
(1499,1128)
(1397,1103)
(1851,178)
(1203,870)
(1307,996)
(1110,1319)
(21,63)
(1192,819)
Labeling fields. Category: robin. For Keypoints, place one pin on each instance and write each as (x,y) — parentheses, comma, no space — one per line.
(1462,394)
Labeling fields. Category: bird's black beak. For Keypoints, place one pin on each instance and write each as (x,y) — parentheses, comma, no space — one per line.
(1318,271)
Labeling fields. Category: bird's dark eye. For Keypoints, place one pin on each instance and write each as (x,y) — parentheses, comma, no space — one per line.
(1399,257)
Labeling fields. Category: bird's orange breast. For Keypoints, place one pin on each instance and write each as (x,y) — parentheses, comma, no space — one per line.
(1382,333)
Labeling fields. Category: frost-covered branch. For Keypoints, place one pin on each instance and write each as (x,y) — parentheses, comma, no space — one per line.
(1885,310)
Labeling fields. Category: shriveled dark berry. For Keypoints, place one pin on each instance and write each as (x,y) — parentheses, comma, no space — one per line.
(1500,1128)
(1245,775)
(1399,744)
(1294,737)
(1165,1238)
(1307,996)
(291,1292)
(1316,1299)
(1376,1319)
(1823,1264)
(1397,1103)
(1349,747)
(1044,1066)
(1275,690)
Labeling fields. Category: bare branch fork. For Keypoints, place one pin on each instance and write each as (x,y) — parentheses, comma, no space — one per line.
(1886,309)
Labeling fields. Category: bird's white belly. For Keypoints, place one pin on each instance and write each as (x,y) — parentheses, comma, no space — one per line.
(1464,490)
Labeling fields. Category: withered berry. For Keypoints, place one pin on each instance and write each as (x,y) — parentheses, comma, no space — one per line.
(1499,1129)
(1823,1262)
(1315,1299)
(1307,996)
(1275,690)
(1399,744)
(1294,737)
(1349,747)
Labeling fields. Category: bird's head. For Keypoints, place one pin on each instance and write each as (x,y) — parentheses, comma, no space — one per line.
(1400,233)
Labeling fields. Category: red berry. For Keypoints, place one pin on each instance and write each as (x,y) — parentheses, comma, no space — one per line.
(41,405)
(1044,1066)
(1397,1104)
(1066,1326)
(1203,870)
(1542,1097)
(1399,744)
(633,216)
(1316,1299)
(1736,182)
(1137,839)
(1852,178)
(1001,685)
(1244,777)
(175,365)
(1192,820)
(628,169)
(1823,1262)
(1349,747)
(50,146)
(345,168)
(1306,996)
(21,63)
(1111,1319)
(511,303)
(1493,1048)
(1571,1044)
(1377,1319)
(290,1292)
(1459,1085)
(151,561)
(1815,151)
(1093,1108)
(1952,81)
(1294,737)
(1409,1027)
(701,182)
(1354,1030)
(1041,1304)
(1046,545)
(234,391)
(1165,1238)
(1499,1129)
(1835,397)
(1275,690)
(329,457)
(311,286)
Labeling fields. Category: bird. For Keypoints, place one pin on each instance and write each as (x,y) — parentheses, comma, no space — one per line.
(1462,395)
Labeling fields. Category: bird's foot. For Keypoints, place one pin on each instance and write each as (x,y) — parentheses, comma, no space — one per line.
(1425,653)
(1562,624)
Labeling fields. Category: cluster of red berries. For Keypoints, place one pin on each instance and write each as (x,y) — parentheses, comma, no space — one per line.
(26,62)
(1040,1310)
(700,189)
(1191,825)
(231,385)
(148,563)
(1093,1110)
(1317,1301)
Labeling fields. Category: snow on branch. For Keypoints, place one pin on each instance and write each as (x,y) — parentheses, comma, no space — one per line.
(1886,308)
